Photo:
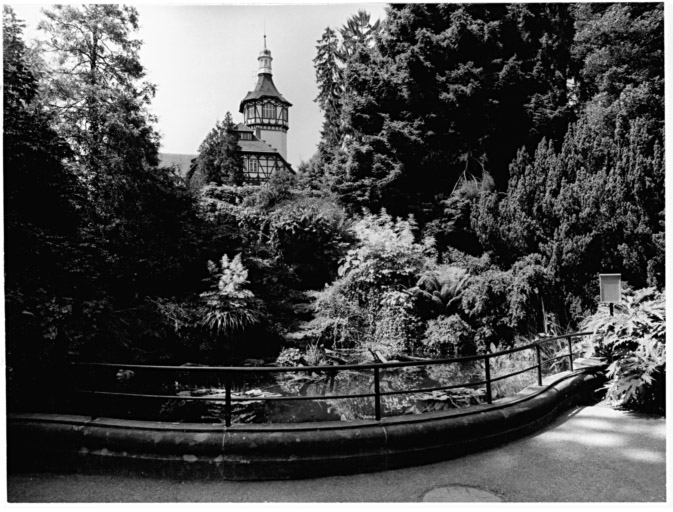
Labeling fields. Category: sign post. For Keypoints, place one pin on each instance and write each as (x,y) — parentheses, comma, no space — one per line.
(611,289)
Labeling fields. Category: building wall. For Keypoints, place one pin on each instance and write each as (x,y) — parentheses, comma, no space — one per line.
(277,139)
(258,168)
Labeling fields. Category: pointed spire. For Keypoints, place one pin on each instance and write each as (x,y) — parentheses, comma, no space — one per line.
(264,59)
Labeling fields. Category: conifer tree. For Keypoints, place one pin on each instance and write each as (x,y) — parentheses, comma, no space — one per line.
(220,160)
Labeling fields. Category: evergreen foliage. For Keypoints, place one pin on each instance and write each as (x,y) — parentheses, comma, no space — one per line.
(449,90)
(220,161)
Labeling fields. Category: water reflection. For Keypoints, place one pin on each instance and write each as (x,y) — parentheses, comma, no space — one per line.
(417,382)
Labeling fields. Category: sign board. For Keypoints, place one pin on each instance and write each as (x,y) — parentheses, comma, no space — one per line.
(611,288)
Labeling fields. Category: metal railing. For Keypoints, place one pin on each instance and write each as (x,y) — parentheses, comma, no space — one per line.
(377,394)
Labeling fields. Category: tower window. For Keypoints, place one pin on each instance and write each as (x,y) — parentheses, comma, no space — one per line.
(269,111)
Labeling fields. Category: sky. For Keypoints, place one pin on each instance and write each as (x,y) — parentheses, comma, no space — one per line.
(203,59)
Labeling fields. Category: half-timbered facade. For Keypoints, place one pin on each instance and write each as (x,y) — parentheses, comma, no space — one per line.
(262,137)
(259,159)
(265,110)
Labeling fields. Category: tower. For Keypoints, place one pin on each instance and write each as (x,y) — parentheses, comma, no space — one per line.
(264,109)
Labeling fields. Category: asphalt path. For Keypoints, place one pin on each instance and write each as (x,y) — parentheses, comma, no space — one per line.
(589,454)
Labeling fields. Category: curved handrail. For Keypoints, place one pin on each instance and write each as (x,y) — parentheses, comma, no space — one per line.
(333,369)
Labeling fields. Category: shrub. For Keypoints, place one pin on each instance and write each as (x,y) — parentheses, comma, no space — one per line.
(637,380)
(340,322)
(386,255)
(289,357)
(634,343)
(448,336)
(532,286)
(396,328)
(228,307)
(440,291)
(310,233)
(369,304)
(485,302)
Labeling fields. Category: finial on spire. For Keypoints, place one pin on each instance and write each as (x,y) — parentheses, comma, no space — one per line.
(264,59)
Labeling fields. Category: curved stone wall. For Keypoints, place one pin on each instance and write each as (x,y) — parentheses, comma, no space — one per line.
(283,451)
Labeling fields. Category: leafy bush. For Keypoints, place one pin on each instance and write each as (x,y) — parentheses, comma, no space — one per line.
(501,304)
(440,291)
(340,322)
(369,304)
(396,328)
(387,255)
(289,357)
(448,336)
(634,343)
(640,315)
(310,233)
(228,306)
(532,292)
(637,380)
(485,302)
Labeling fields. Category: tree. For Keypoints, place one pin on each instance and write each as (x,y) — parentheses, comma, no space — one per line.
(220,160)
(41,222)
(329,77)
(32,150)
(331,63)
(139,237)
(96,95)
(41,216)
(451,90)
(595,204)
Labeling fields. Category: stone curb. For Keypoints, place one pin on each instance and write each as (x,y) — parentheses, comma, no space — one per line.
(286,451)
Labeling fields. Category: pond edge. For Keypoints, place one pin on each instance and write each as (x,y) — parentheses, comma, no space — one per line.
(53,442)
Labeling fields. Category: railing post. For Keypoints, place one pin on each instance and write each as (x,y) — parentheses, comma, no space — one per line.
(539,364)
(227,400)
(570,352)
(377,394)
(487,369)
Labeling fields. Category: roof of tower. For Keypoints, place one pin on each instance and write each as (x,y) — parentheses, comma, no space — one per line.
(265,88)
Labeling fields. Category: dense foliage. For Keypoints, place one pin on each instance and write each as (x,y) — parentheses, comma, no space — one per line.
(447,89)
(479,165)
(633,341)
(84,280)
(219,160)
(512,130)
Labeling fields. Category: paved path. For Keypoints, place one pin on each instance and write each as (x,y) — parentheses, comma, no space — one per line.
(588,454)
